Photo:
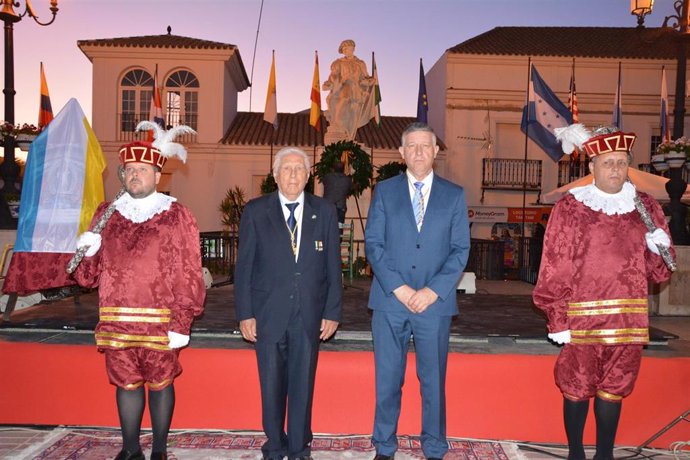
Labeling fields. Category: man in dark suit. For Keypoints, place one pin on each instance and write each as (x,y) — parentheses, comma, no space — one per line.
(417,242)
(288,293)
(336,188)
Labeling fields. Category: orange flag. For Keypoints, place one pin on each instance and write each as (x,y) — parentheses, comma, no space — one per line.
(315,114)
(45,110)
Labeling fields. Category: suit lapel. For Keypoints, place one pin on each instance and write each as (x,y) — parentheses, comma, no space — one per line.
(310,218)
(277,219)
(403,201)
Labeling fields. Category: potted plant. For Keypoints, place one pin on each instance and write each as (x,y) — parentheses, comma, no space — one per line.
(674,153)
(23,134)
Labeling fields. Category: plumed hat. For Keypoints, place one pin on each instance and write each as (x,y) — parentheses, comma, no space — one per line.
(155,153)
(603,140)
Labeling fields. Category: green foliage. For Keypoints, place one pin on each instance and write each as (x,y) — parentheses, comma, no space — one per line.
(268,185)
(390,169)
(358,159)
(231,209)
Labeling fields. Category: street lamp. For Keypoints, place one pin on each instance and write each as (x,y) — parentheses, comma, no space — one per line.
(676,186)
(9,170)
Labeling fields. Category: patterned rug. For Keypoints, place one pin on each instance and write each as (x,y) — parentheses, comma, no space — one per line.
(91,444)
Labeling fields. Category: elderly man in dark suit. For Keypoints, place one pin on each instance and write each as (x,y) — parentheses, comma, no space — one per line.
(288,293)
(417,242)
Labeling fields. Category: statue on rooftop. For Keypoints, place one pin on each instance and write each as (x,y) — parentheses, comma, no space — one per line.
(351,99)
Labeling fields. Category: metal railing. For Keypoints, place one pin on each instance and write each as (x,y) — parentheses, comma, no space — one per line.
(511,174)
(219,254)
(486,259)
(127,122)
(569,170)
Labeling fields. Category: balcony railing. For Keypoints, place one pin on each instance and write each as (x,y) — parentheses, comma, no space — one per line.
(648,168)
(511,174)
(569,170)
(127,123)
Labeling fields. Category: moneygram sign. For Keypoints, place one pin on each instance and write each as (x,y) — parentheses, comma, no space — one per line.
(487,214)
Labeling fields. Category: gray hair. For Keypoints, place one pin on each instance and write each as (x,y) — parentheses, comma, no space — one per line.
(289,151)
(417,126)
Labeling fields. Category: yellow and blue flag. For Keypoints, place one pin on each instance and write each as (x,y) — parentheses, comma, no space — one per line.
(62,186)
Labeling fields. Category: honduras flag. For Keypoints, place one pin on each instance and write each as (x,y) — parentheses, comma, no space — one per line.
(543,113)
(62,186)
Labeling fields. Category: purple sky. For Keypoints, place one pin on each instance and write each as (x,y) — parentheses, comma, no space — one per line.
(398,31)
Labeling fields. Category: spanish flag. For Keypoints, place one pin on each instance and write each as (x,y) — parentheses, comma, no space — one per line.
(315,113)
(45,110)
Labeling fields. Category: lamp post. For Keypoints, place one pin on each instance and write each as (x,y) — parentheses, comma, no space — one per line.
(9,170)
(676,186)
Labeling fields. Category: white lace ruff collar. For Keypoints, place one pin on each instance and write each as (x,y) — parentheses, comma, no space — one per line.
(142,209)
(608,203)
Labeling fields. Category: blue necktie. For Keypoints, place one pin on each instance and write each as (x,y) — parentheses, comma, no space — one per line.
(292,225)
(418,203)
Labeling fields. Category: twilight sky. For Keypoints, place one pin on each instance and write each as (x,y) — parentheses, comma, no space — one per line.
(398,31)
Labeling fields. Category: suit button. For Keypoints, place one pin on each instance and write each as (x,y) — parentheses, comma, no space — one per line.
(291,296)
(297,274)
(413,267)
(417,246)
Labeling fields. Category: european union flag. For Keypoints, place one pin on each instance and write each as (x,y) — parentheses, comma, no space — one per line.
(543,113)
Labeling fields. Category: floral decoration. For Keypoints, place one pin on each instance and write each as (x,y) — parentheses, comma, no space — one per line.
(681,145)
(14,130)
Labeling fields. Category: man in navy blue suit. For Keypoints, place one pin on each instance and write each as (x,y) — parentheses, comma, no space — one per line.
(417,242)
(288,294)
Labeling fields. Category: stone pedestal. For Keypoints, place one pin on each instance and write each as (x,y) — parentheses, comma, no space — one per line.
(674,296)
(332,136)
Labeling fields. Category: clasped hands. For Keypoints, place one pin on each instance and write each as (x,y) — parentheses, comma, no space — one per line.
(415,301)
(248,329)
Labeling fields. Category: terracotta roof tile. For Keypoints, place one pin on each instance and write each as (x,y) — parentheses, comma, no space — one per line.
(249,128)
(593,42)
(157,41)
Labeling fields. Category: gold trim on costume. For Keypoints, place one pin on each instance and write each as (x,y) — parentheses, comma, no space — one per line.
(143,311)
(133,386)
(121,345)
(608,396)
(592,332)
(135,319)
(606,303)
(611,340)
(130,337)
(608,311)
(153,386)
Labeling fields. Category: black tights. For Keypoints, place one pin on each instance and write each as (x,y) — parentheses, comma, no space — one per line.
(130,408)
(606,414)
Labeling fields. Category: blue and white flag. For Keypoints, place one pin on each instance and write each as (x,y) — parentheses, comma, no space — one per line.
(543,113)
(663,122)
(63,184)
(617,120)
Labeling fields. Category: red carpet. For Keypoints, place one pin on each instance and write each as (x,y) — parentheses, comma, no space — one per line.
(489,396)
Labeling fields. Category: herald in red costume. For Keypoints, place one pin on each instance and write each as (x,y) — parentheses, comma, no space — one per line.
(598,258)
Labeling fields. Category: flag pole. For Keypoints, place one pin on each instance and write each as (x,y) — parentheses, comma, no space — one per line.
(524,172)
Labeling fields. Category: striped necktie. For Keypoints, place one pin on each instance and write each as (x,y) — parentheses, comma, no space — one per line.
(418,204)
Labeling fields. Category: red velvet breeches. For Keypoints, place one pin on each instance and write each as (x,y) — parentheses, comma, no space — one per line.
(585,371)
(132,367)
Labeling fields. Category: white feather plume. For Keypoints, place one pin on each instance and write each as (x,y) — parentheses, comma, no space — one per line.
(572,136)
(163,140)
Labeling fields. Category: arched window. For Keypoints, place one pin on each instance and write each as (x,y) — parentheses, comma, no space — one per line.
(135,94)
(182,99)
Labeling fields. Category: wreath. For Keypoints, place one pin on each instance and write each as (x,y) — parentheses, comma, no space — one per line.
(355,160)
(390,169)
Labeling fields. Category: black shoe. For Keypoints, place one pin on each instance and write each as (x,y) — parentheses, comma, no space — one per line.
(383,457)
(159,456)
(126,455)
